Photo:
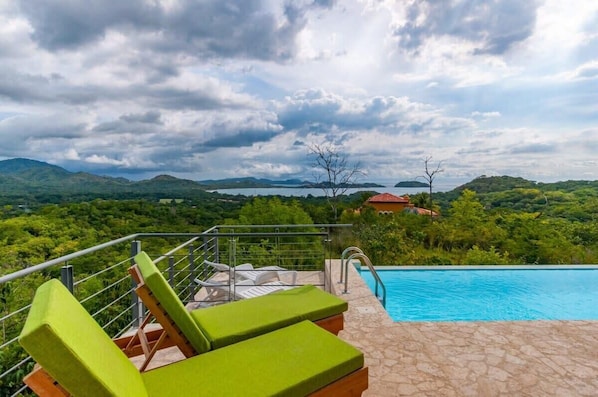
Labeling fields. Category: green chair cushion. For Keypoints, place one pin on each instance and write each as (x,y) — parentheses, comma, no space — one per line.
(233,322)
(292,361)
(171,303)
(67,342)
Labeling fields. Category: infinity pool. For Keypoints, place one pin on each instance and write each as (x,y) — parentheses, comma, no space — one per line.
(497,294)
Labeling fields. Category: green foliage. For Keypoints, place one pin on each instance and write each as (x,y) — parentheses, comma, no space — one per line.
(264,211)
(297,252)
(482,229)
(476,256)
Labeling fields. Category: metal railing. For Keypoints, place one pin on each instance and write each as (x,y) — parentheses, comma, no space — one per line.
(98,277)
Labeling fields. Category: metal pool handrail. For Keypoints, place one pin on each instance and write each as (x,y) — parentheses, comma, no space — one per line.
(345,265)
(363,258)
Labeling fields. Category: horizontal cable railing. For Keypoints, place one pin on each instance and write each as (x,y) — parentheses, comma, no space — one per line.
(98,276)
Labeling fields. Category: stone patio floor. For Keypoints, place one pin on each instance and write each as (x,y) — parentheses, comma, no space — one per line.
(520,358)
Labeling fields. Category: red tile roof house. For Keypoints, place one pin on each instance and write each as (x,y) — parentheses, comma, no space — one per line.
(386,203)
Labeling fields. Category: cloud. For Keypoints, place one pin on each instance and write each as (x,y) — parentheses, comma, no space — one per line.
(150,117)
(493,26)
(485,115)
(138,123)
(211,28)
(587,71)
(203,89)
(317,110)
(21,135)
(535,148)
(242,131)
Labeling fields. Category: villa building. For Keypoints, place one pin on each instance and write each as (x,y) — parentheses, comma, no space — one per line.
(386,203)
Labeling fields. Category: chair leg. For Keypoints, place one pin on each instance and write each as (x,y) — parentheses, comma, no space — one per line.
(333,324)
(42,384)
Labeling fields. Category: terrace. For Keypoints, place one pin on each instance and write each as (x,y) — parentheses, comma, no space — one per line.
(449,359)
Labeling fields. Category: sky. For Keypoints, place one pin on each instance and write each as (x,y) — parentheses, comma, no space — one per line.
(212,89)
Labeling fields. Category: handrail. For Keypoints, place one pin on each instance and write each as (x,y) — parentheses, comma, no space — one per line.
(345,267)
(66,258)
(377,278)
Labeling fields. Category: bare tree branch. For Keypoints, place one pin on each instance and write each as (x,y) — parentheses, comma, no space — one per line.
(335,174)
(430,176)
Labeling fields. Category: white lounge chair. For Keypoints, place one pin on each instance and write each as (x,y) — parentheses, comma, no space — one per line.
(243,292)
(258,276)
(244,289)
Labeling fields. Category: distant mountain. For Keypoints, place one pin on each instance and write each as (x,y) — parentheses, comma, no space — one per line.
(487,184)
(248,182)
(36,181)
(19,165)
(37,173)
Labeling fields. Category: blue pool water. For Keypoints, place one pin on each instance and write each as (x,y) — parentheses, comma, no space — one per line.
(490,295)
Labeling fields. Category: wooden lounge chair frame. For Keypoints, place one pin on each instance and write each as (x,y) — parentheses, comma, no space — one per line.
(174,335)
(42,384)
(352,384)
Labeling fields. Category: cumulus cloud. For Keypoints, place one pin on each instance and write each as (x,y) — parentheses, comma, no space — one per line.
(493,26)
(317,110)
(587,71)
(212,28)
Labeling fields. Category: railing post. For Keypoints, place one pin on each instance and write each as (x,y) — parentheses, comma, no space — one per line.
(67,277)
(137,309)
(206,248)
(191,272)
(277,243)
(216,248)
(171,270)
(232,254)
(328,272)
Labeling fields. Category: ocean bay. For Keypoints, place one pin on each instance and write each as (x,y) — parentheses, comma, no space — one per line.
(317,192)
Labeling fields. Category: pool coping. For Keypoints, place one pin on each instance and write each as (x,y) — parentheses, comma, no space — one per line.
(485,267)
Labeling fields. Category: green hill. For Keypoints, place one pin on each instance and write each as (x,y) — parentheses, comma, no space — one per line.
(33,181)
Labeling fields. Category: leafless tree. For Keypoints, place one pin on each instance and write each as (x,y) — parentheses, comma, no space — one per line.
(430,175)
(334,175)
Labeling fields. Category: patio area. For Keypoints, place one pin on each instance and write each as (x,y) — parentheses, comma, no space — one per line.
(523,358)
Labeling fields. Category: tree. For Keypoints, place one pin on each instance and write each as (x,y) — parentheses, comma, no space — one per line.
(282,251)
(430,176)
(334,175)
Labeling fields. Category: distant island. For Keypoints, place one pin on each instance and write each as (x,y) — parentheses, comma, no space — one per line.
(412,184)
(248,182)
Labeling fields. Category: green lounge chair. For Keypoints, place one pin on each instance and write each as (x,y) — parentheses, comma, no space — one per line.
(211,328)
(76,357)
